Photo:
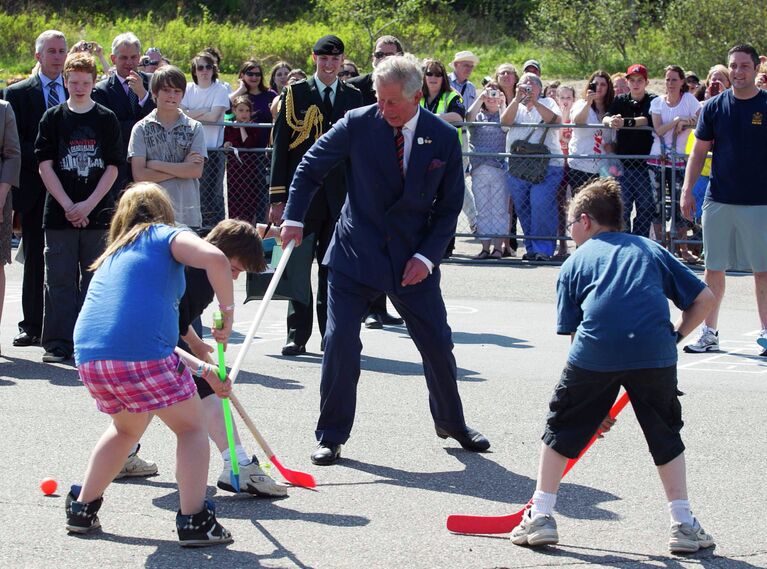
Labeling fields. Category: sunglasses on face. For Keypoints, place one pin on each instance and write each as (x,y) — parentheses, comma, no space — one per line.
(433,74)
(203,67)
(252,74)
(382,54)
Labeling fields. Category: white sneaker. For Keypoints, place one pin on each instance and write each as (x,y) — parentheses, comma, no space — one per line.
(686,538)
(762,341)
(538,530)
(253,480)
(708,341)
(136,466)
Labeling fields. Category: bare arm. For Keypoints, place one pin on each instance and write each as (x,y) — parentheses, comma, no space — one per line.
(451,117)
(660,127)
(142,173)
(694,166)
(53,184)
(212,114)
(582,116)
(81,210)
(190,168)
(548,116)
(696,312)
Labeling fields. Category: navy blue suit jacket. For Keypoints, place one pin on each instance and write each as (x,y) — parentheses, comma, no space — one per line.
(384,222)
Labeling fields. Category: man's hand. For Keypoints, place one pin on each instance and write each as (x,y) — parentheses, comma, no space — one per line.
(275,213)
(202,351)
(616,121)
(290,233)
(606,425)
(687,203)
(415,272)
(77,215)
(136,84)
(194,158)
(221,388)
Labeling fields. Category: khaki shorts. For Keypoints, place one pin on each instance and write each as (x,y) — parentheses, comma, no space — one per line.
(735,237)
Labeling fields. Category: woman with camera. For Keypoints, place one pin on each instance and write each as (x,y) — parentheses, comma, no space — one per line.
(533,182)
(598,95)
(488,173)
(674,115)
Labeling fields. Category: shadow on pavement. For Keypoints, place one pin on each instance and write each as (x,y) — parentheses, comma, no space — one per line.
(494,339)
(487,480)
(268,381)
(64,375)
(705,558)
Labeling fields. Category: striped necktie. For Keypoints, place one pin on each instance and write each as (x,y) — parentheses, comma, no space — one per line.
(399,142)
(132,97)
(53,94)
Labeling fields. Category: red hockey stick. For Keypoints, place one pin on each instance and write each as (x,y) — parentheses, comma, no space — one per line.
(458,523)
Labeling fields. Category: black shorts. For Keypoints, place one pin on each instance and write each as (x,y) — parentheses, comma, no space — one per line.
(583,398)
(203,387)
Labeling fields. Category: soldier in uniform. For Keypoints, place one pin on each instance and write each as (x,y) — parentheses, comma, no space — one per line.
(308,109)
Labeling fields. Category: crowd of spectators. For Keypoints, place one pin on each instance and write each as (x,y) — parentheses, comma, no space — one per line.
(172,131)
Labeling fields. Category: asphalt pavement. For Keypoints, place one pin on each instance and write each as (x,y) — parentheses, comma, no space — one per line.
(384,505)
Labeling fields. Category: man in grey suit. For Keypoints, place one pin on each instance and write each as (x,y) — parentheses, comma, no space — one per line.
(30,99)
(405,190)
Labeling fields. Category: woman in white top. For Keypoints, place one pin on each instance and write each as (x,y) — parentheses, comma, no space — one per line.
(206,100)
(535,202)
(598,95)
(674,115)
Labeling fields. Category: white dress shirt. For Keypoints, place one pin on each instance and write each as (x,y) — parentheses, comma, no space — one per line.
(321,86)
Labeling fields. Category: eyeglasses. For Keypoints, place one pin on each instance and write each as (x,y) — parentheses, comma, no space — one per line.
(207,66)
(382,54)
(576,220)
(253,74)
(433,74)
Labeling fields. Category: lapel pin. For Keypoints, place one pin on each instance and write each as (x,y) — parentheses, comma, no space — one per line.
(422,140)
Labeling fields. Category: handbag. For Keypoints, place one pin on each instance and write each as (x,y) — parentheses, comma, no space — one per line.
(527,168)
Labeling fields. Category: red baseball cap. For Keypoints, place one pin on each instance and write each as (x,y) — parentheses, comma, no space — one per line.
(637,69)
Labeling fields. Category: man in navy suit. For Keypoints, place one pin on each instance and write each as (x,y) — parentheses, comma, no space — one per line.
(30,99)
(405,190)
(126,94)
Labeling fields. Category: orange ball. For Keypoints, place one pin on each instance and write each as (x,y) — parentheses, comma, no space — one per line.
(48,486)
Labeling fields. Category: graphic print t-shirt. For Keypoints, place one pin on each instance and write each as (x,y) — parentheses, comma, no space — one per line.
(81,146)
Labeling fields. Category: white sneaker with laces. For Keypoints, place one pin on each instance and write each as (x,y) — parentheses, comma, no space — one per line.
(708,341)
(253,480)
(762,341)
(686,538)
(136,466)
(535,530)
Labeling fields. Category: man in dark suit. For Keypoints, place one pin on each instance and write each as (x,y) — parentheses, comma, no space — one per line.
(405,191)
(307,110)
(30,99)
(386,46)
(126,94)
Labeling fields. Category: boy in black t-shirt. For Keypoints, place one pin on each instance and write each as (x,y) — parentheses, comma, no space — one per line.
(78,148)
(632,110)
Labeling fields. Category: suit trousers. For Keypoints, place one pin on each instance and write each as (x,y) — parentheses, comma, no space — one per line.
(68,255)
(33,239)
(426,319)
(300,316)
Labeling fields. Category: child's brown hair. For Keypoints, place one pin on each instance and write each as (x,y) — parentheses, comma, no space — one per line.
(242,100)
(167,77)
(601,201)
(239,240)
(80,61)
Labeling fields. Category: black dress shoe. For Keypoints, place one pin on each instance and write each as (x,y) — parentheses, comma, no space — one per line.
(26,339)
(322,345)
(373,321)
(469,438)
(293,349)
(326,454)
(391,320)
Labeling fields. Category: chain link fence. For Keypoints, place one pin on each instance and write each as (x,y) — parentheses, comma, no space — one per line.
(517,201)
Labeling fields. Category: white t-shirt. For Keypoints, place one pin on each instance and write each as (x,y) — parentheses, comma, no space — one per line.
(533,116)
(588,141)
(687,107)
(217,95)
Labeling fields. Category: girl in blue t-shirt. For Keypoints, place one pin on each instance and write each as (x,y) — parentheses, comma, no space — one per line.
(124,341)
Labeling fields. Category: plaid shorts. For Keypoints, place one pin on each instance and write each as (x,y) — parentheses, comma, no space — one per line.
(138,387)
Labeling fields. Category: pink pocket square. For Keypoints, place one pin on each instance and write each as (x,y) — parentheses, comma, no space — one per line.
(435,163)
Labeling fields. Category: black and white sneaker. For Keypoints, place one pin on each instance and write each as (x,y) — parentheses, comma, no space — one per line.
(201,529)
(81,516)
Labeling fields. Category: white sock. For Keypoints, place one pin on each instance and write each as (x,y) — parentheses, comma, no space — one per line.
(133,449)
(707,329)
(680,511)
(543,503)
(242,456)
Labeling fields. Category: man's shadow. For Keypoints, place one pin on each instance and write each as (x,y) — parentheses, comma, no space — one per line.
(488,480)
(471,338)
(268,381)
(64,375)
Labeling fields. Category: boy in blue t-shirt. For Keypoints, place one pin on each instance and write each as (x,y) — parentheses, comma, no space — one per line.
(613,300)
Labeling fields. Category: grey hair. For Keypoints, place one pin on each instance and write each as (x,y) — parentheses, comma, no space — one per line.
(534,78)
(48,35)
(404,69)
(127,38)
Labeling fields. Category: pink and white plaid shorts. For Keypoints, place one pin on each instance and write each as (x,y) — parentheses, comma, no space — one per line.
(138,387)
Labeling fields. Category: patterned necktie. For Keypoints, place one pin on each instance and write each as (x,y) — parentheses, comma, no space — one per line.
(399,143)
(326,102)
(132,97)
(53,94)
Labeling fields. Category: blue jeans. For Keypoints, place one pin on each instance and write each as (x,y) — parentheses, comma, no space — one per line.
(536,207)
(636,189)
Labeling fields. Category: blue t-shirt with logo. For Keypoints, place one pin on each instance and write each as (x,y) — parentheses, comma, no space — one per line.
(613,294)
(738,128)
(131,310)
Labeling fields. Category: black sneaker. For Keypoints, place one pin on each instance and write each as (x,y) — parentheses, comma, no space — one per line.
(56,355)
(201,529)
(81,516)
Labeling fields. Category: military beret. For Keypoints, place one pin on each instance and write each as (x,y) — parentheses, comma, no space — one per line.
(328,45)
